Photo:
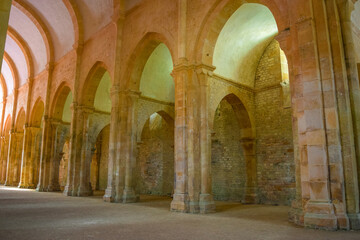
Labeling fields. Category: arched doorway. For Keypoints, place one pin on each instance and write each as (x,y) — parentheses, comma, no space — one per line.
(31,158)
(92,116)
(233,163)
(99,162)
(253,163)
(155,157)
(150,168)
(56,135)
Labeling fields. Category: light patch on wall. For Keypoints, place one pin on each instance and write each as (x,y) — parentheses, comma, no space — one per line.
(66,117)
(242,42)
(156,81)
(102,100)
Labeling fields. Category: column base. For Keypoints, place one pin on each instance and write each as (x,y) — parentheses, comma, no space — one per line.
(207,204)
(53,188)
(343,221)
(108,196)
(7,183)
(67,191)
(129,196)
(354,220)
(22,185)
(84,191)
(320,215)
(40,188)
(180,203)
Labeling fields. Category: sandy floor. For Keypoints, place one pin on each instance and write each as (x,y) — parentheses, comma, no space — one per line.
(26,214)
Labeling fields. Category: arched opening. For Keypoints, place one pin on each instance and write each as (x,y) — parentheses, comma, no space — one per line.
(251,163)
(63,169)
(35,137)
(155,157)
(233,163)
(60,127)
(154,167)
(99,162)
(5,149)
(16,146)
(92,148)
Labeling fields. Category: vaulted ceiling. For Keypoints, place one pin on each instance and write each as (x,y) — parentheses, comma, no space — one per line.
(43,31)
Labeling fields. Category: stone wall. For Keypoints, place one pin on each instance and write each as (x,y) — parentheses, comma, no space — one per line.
(274,142)
(227,159)
(154,172)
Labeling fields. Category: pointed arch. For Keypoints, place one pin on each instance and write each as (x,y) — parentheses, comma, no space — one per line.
(217,17)
(3,86)
(241,112)
(141,54)
(20,120)
(59,99)
(87,95)
(24,48)
(37,113)
(7,125)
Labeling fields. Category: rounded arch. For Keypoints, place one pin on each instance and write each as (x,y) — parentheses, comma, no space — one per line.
(241,112)
(20,120)
(13,69)
(37,113)
(57,107)
(40,25)
(216,19)
(141,54)
(87,94)
(24,48)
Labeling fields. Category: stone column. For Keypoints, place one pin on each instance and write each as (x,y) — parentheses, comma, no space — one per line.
(10,156)
(113,146)
(45,155)
(3,159)
(69,188)
(26,153)
(206,203)
(31,161)
(318,123)
(130,147)
(181,201)
(348,86)
(84,177)
(54,163)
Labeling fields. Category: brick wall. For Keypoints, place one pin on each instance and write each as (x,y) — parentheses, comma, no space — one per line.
(274,143)
(227,159)
(154,172)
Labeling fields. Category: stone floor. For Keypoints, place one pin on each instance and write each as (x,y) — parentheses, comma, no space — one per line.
(26,214)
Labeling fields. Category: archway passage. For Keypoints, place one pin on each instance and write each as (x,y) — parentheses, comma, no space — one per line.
(5,149)
(232,160)
(63,169)
(99,162)
(252,147)
(92,115)
(15,148)
(32,143)
(155,159)
(57,132)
